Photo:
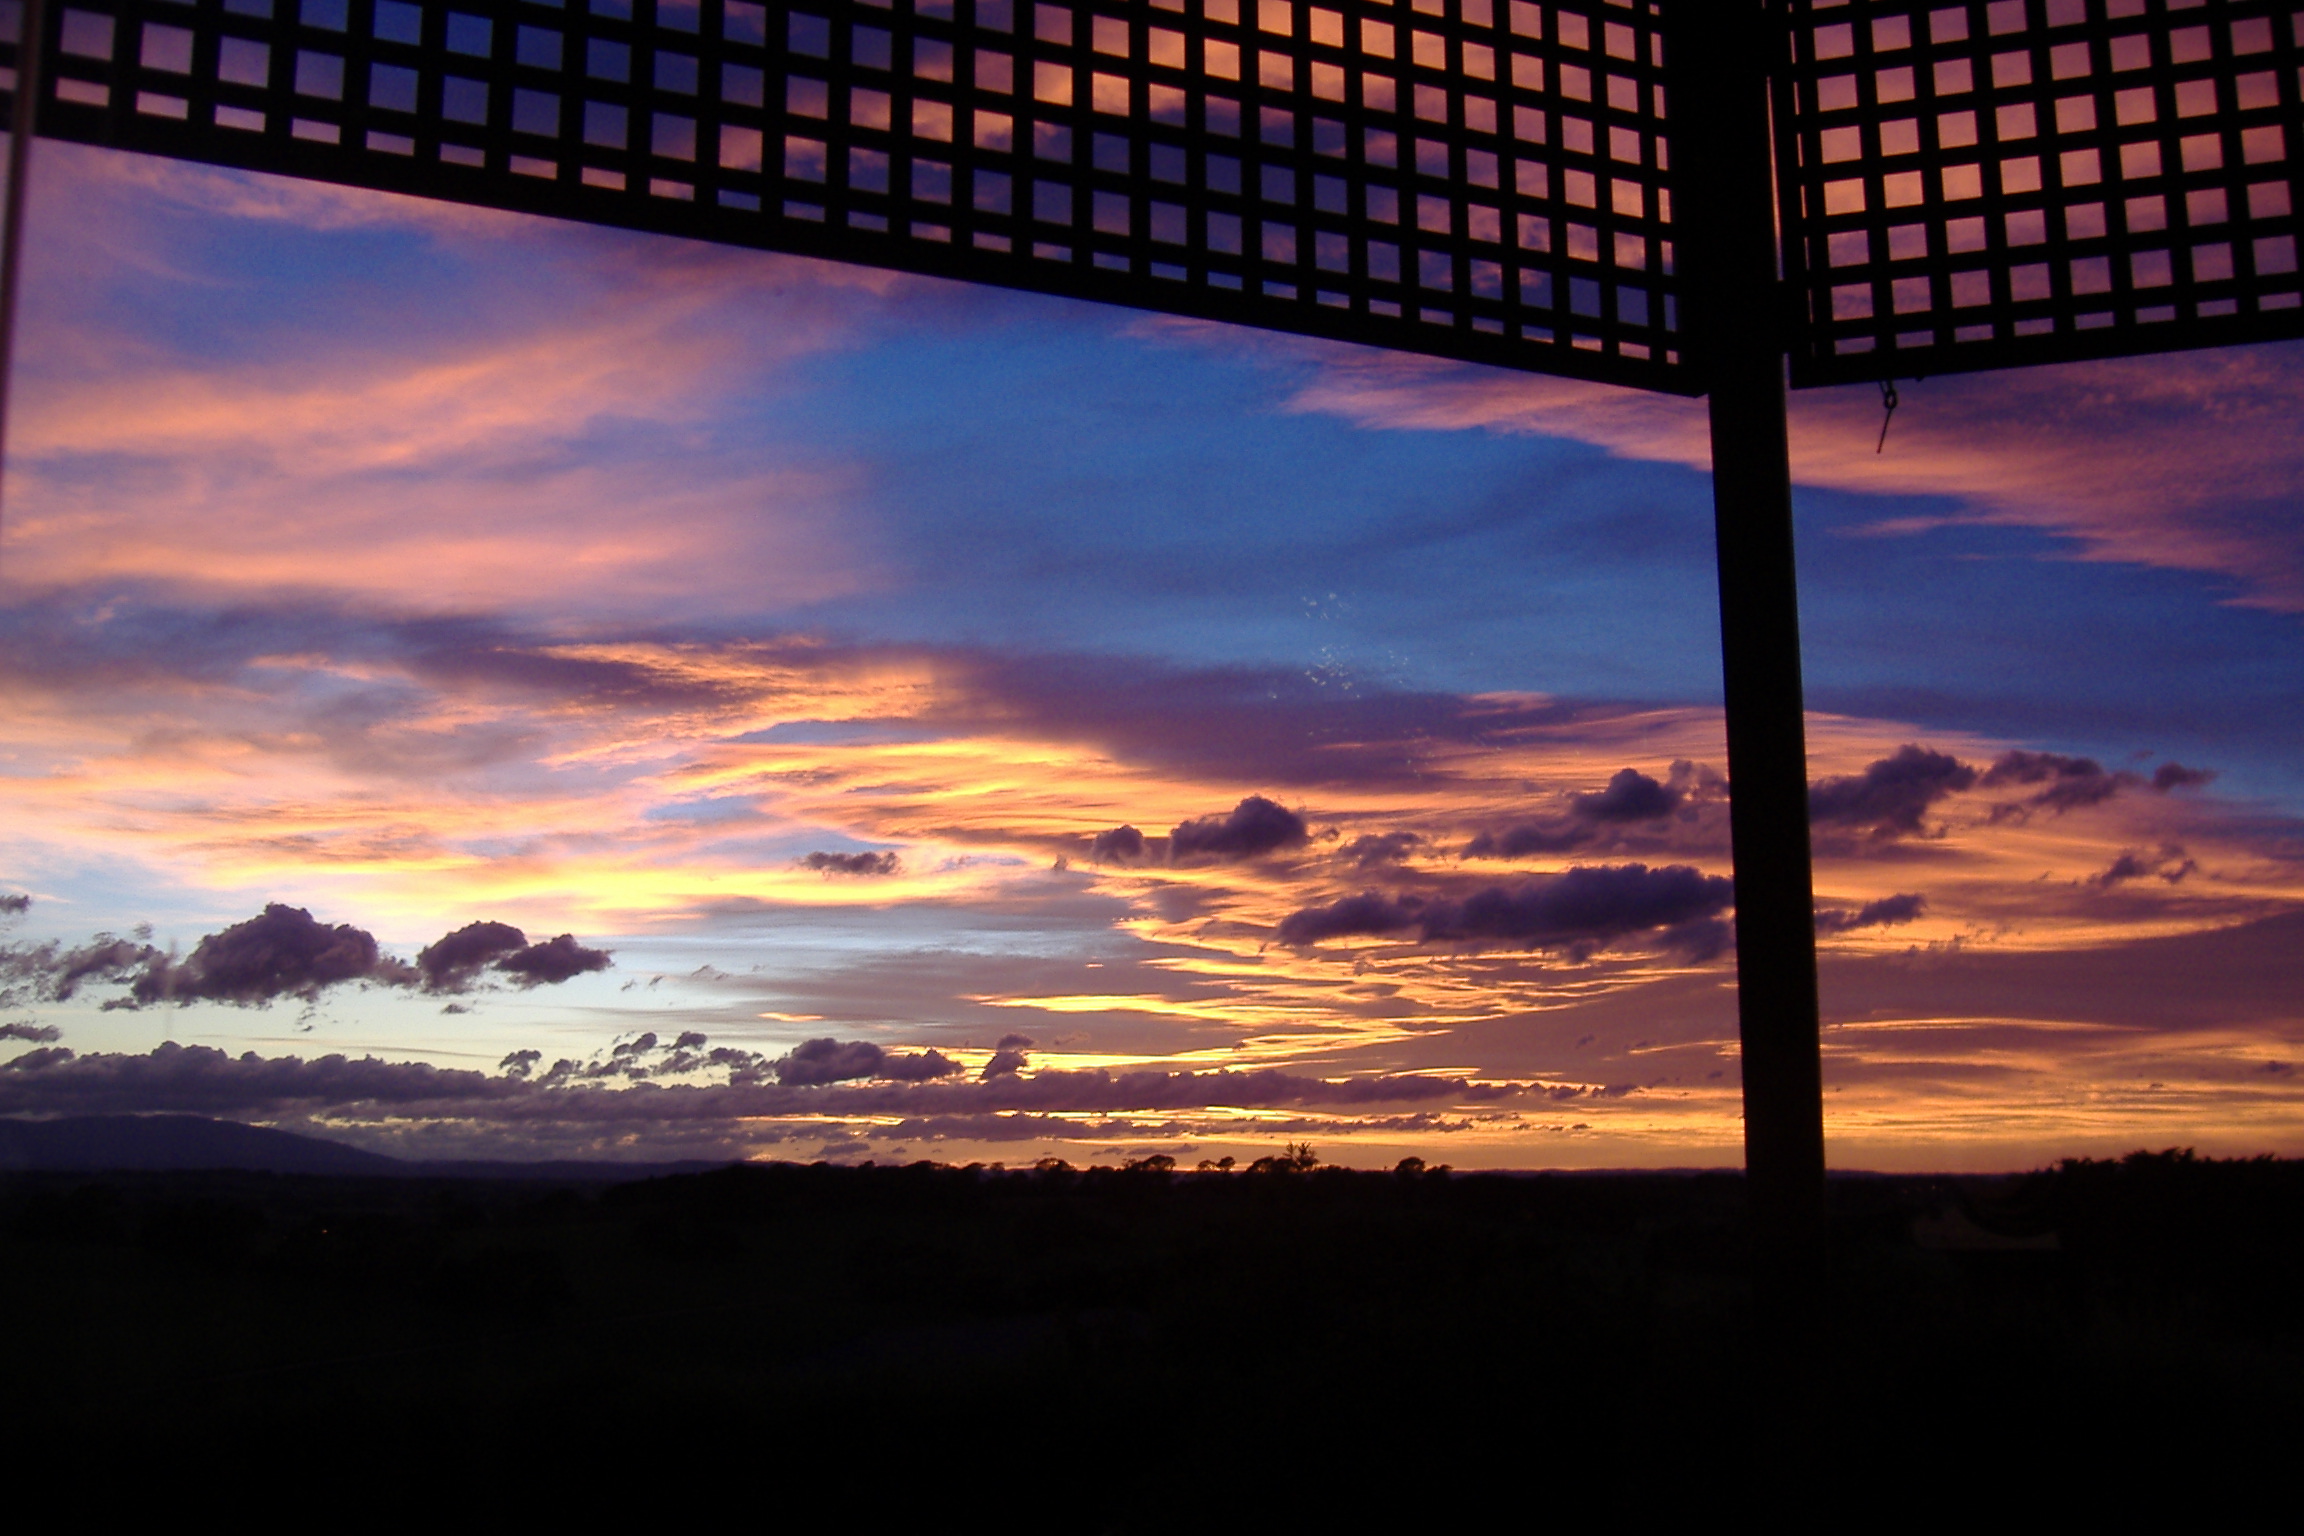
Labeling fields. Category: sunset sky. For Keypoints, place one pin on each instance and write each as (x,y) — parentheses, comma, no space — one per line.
(1196,739)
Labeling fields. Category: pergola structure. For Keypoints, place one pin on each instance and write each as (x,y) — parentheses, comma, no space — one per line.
(1674,195)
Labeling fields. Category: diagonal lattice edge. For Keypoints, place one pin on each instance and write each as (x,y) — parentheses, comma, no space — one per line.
(1485,180)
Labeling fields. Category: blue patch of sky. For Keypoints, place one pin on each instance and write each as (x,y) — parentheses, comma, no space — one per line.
(2002,631)
(1067,490)
(259,286)
(1074,491)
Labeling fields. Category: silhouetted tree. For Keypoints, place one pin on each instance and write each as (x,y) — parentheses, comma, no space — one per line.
(1298,1158)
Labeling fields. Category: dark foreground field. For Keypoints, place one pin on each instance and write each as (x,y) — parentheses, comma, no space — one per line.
(1121,1350)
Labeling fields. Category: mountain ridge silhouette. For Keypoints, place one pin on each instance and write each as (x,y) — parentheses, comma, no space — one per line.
(174,1143)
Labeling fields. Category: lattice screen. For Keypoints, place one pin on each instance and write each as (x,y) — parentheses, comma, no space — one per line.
(1978,184)
(1485,179)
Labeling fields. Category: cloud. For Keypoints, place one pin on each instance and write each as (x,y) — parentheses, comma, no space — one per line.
(282,952)
(1375,849)
(37,1034)
(814,1063)
(1891,795)
(450,963)
(2071,783)
(2168,864)
(200,1079)
(1004,1064)
(1527,838)
(1630,796)
(15,904)
(56,974)
(919,1067)
(861,864)
(392,1096)
(533,402)
(2075,783)
(1367,914)
(1585,908)
(1255,827)
(553,961)
(1884,913)
(827,1060)
(1121,845)
(2170,776)
(285,952)
(990,1128)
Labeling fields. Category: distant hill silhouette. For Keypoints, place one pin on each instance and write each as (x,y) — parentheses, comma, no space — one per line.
(192,1143)
(168,1143)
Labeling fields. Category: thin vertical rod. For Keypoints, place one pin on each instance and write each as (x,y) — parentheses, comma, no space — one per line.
(1728,48)
(30,56)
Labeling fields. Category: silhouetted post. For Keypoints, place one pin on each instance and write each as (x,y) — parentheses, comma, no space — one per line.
(29,58)
(1726,50)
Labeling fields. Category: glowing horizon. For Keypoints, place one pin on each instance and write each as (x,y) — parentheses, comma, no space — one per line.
(805,637)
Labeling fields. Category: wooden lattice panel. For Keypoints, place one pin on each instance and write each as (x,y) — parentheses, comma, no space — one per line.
(1484,179)
(1993,182)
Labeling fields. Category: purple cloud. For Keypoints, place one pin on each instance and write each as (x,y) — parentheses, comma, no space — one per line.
(1884,913)
(815,1063)
(1374,850)
(450,963)
(2168,864)
(1121,845)
(1255,827)
(2170,776)
(1585,908)
(1527,838)
(2069,783)
(552,962)
(285,952)
(861,864)
(919,1067)
(282,952)
(1630,796)
(203,1080)
(1890,796)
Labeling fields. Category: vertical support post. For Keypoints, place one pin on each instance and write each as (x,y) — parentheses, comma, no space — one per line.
(30,56)
(1726,53)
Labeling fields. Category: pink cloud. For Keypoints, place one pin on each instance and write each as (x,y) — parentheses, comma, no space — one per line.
(414,447)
